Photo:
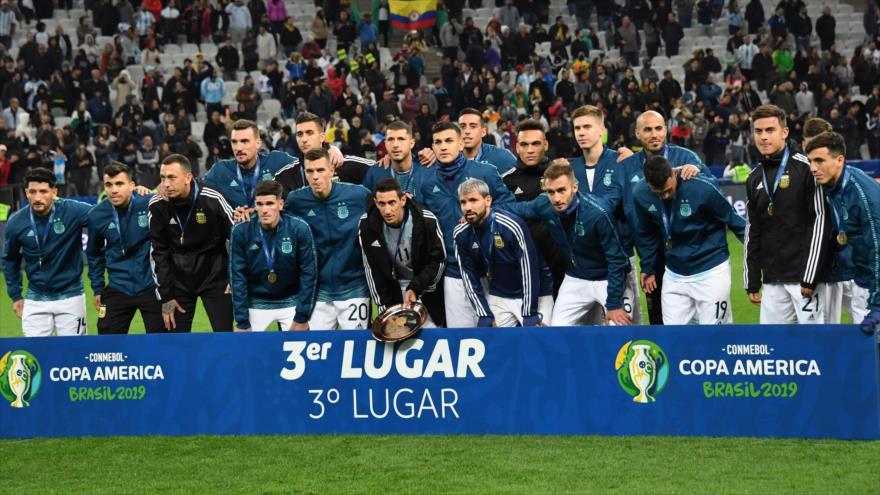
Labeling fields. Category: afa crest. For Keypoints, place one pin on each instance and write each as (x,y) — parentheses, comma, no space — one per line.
(685,209)
(201,219)
(58,227)
(143,220)
(784,181)
(342,210)
(607,179)
(286,246)
(579,229)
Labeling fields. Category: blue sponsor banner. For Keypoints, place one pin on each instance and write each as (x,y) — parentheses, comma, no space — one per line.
(764,381)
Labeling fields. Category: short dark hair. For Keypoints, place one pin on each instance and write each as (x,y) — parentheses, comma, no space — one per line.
(115,168)
(388,184)
(40,175)
(315,154)
(446,126)
(306,117)
(269,188)
(831,140)
(178,159)
(399,125)
(530,125)
(815,126)
(242,124)
(472,111)
(557,170)
(768,111)
(657,171)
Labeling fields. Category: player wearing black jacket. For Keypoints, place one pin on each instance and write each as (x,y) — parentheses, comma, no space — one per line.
(786,241)
(526,183)
(310,135)
(188,232)
(404,254)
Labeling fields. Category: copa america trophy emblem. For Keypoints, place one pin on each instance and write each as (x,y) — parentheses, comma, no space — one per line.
(399,322)
(19,380)
(642,370)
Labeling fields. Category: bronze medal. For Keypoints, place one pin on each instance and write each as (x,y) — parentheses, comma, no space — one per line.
(181,239)
(770,209)
(669,244)
(272,277)
(842,238)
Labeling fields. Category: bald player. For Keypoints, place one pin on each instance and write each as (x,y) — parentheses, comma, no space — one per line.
(651,132)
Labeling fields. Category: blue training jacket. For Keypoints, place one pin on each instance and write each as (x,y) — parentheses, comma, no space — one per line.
(295,266)
(609,183)
(239,191)
(856,202)
(440,196)
(502,159)
(59,276)
(697,216)
(334,224)
(502,249)
(121,249)
(587,232)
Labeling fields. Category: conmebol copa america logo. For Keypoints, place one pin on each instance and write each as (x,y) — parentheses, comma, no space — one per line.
(20,377)
(642,370)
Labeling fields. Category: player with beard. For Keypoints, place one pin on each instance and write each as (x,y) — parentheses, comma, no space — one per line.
(651,132)
(119,243)
(495,246)
(236,178)
(598,266)
(786,241)
(47,235)
(403,250)
(451,170)
(691,218)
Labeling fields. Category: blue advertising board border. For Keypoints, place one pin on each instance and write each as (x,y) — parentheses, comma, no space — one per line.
(808,381)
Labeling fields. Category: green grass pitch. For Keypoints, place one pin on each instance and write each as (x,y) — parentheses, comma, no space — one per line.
(432,464)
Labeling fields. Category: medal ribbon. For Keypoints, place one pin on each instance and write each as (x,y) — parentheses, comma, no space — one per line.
(192,206)
(667,227)
(409,176)
(119,224)
(39,235)
(248,193)
(779,174)
(268,253)
(487,258)
(841,227)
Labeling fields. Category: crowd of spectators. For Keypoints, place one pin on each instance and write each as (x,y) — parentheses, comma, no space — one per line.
(112,89)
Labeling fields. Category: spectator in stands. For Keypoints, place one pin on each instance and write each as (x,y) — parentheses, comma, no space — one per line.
(250,55)
(7,25)
(672,35)
(762,67)
(267,49)
(80,165)
(629,41)
(290,37)
(239,20)
(228,60)
(806,101)
(319,28)
(277,13)
(170,22)
(778,25)
(345,31)
(704,17)
(802,29)
(826,27)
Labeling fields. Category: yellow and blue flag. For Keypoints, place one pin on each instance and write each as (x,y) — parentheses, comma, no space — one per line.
(413,14)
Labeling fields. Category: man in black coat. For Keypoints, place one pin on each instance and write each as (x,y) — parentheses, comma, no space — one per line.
(403,249)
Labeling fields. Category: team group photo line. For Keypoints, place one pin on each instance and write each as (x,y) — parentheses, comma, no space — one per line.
(474,234)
